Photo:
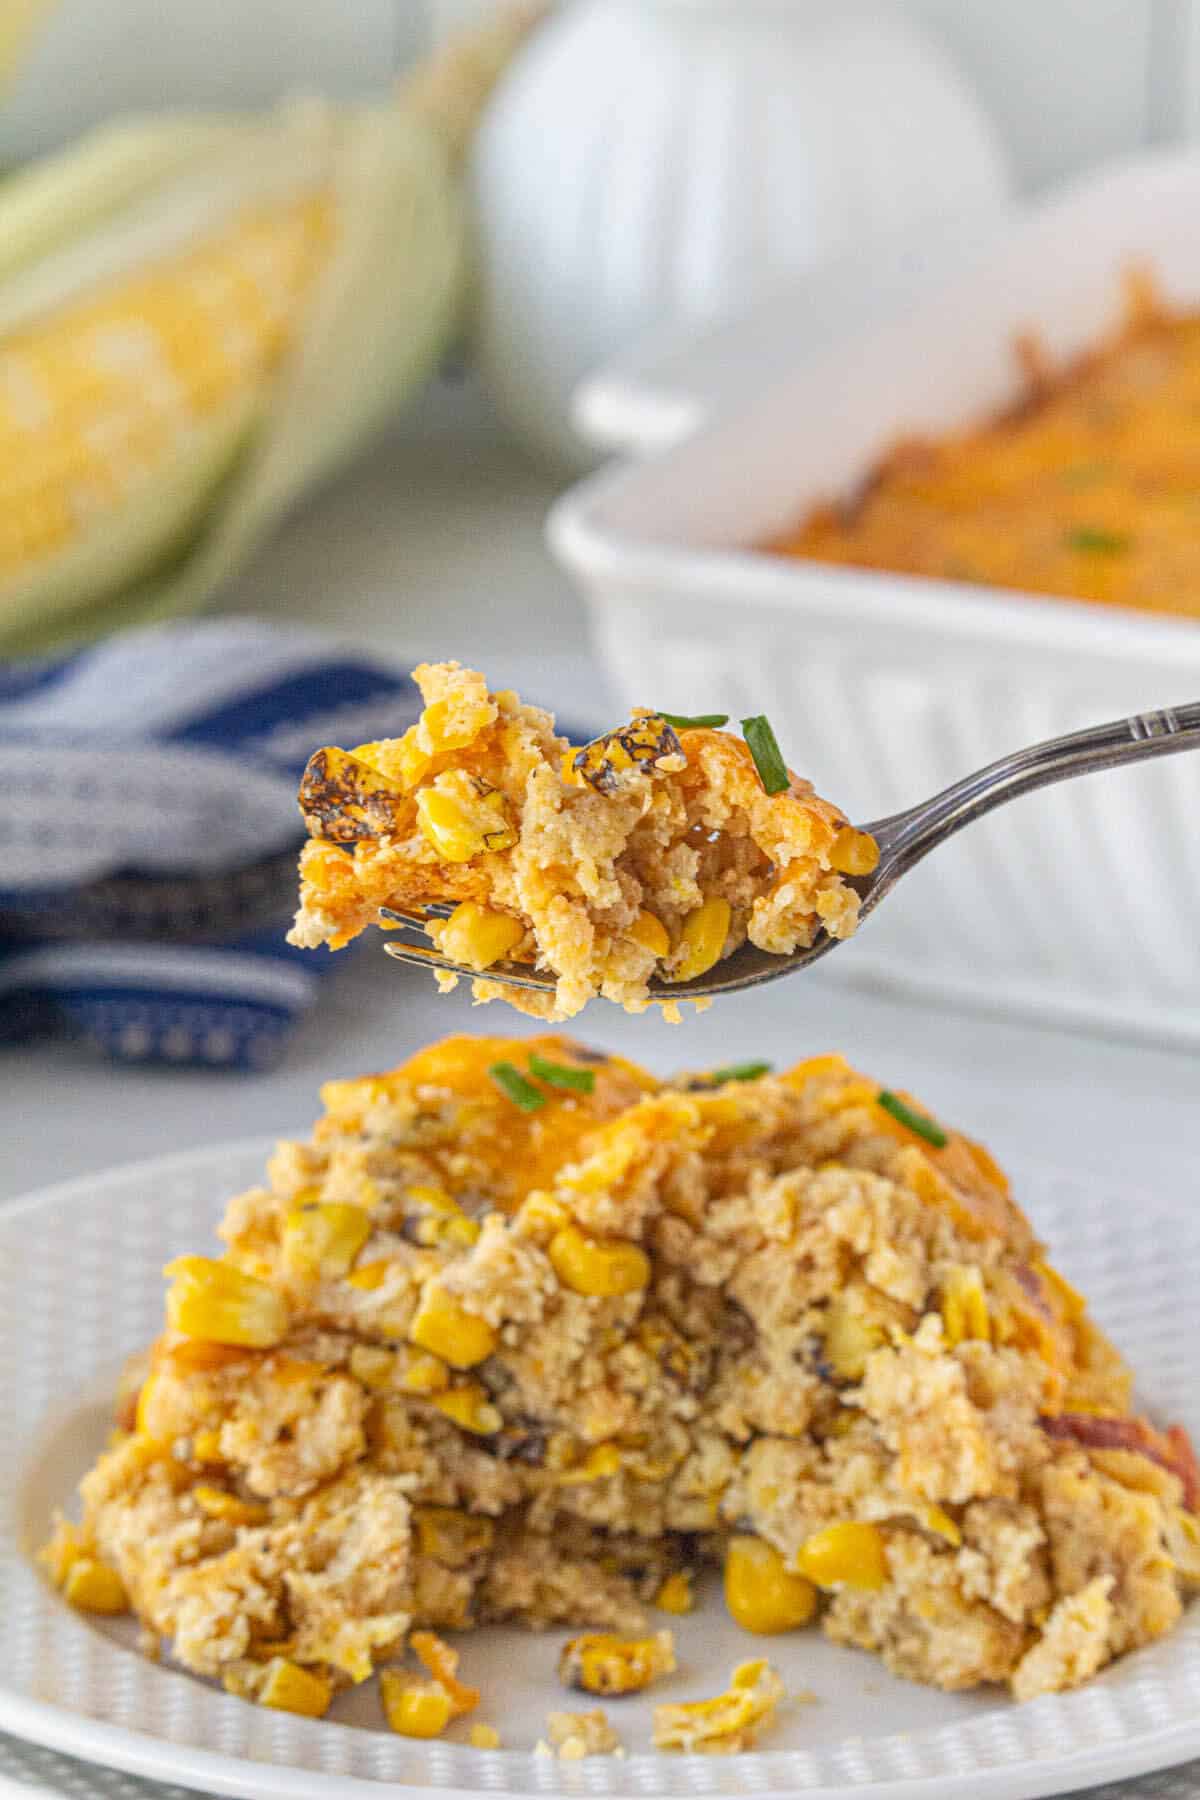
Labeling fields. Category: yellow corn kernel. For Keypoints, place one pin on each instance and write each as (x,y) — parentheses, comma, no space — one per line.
(374,1366)
(849,1339)
(540,1215)
(817,1068)
(220,1303)
(459,828)
(91,1586)
(442,1663)
(570,774)
(206,1446)
(322,1239)
(937,1520)
(414,1708)
(423,1375)
(452,1537)
(600,1663)
(289,1688)
(854,852)
(847,1555)
(372,1275)
(478,936)
(470,1408)
(483,1737)
(675,1595)
(761,1593)
(650,933)
(600,1268)
(730,1722)
(228,1508)
(145,1402)
(964,1306)
(597,1465)
(702,939)
(453,724)
(442,1325)
(455,1233)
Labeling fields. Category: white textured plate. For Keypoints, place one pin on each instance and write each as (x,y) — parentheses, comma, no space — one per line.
(80,1287)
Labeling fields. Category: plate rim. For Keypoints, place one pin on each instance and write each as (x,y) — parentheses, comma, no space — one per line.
(158,1758)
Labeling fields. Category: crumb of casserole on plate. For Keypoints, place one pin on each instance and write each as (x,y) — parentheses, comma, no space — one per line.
(655,850)
(464,1361)
(1083,487)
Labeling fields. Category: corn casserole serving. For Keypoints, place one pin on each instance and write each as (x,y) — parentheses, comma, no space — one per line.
(525,1334)
(1088,486)
(658,848)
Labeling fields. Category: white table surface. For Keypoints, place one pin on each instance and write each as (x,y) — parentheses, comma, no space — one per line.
(432,546)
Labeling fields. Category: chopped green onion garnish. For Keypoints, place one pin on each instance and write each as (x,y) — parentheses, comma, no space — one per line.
(1097,542)
(695,721)
(925,1128)
(768,758)
(748,1071)
(522,1093)
(560,1075)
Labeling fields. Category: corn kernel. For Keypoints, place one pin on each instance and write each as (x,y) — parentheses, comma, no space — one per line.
(854,852)
(217,1301)
(703,939)
(442,1663)
(470,1408)
(597,1465)
(849,1339)
(600,1663)
(321,1240)
(964,1306)
(145,1402)
(847,1555)
(206,1446)
(650,933)
(91,1586)
(762,1595)
(442,1325)
(452,1537)
(289,1688)
(730,1722)
(602,1269)
(938,1520)
(460,825)
(423,1375)
(416,1709)
(372,1275)
(374,1366)
(451,725)
(478,936)
(228,1508)
(483,1737)
(675,1595)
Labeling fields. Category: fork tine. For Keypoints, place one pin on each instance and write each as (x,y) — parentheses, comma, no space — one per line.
(418,921)
(508,974)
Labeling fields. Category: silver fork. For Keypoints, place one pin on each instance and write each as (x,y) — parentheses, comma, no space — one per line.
(903,839)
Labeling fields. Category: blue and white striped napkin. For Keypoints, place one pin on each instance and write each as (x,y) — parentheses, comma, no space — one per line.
(149,832)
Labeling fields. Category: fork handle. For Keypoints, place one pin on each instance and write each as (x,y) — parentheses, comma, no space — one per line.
(907,837)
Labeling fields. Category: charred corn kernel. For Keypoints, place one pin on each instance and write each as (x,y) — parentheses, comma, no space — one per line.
(374,1366)
(730,1722)
(91,1586)
(761,1593)
(600,1663)
(964,1306)
(675,1595)
(423,1375)
(601,1268)
(854,852)
(460,827)
(206,1446)
(228,1508)
(478,936)
(470,1408)
(847,1555)
(483,1737)
(371,1276)
(289,1688)
(650,933)
(937,1520)
(217,1301)
(442,1663)
(322,1239)
(452,1537)
(849,1339)
(414,1708)
(597,1465)
(444,1326)
(702,939)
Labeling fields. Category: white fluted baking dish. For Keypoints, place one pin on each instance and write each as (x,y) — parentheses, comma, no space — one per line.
(1081,903)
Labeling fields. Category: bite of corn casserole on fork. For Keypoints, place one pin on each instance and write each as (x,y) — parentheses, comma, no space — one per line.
(199,316)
